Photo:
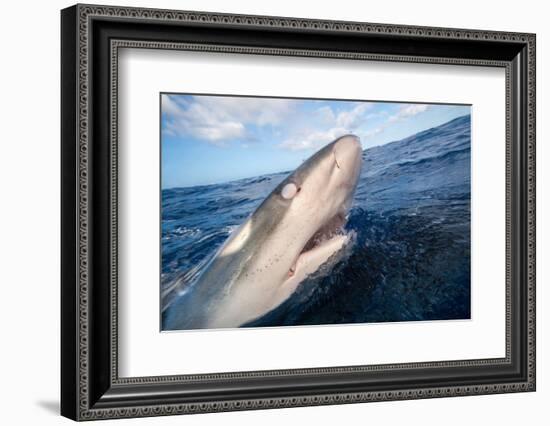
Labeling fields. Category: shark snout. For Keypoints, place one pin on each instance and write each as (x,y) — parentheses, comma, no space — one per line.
(347,154)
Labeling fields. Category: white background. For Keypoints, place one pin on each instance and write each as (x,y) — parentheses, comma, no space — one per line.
(141,345)
(29,225)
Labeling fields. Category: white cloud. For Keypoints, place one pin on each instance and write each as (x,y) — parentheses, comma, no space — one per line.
(353,118)
(218,119)
(326,114)
(315,139)
(406,111)
(333,126)
(169,106)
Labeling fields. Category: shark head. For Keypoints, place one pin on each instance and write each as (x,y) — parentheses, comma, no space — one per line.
(315,200)
(295,230)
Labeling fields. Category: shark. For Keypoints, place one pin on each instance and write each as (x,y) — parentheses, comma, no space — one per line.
(293,232)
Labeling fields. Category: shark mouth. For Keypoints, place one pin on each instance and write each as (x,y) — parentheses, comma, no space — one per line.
(325,241)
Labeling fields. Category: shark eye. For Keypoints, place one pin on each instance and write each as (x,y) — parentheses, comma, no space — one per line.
(289,191)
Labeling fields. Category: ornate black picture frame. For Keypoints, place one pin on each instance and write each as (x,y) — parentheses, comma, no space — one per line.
(90,39)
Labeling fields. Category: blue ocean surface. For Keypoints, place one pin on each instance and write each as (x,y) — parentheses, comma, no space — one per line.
(410,256)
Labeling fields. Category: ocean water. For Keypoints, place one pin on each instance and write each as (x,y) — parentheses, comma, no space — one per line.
(410,256)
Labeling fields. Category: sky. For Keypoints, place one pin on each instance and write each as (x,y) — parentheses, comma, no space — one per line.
(212,139)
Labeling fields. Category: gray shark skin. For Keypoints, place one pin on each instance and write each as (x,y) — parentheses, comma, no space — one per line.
(296,229)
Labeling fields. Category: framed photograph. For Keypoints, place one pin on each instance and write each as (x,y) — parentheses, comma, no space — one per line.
(263,212)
